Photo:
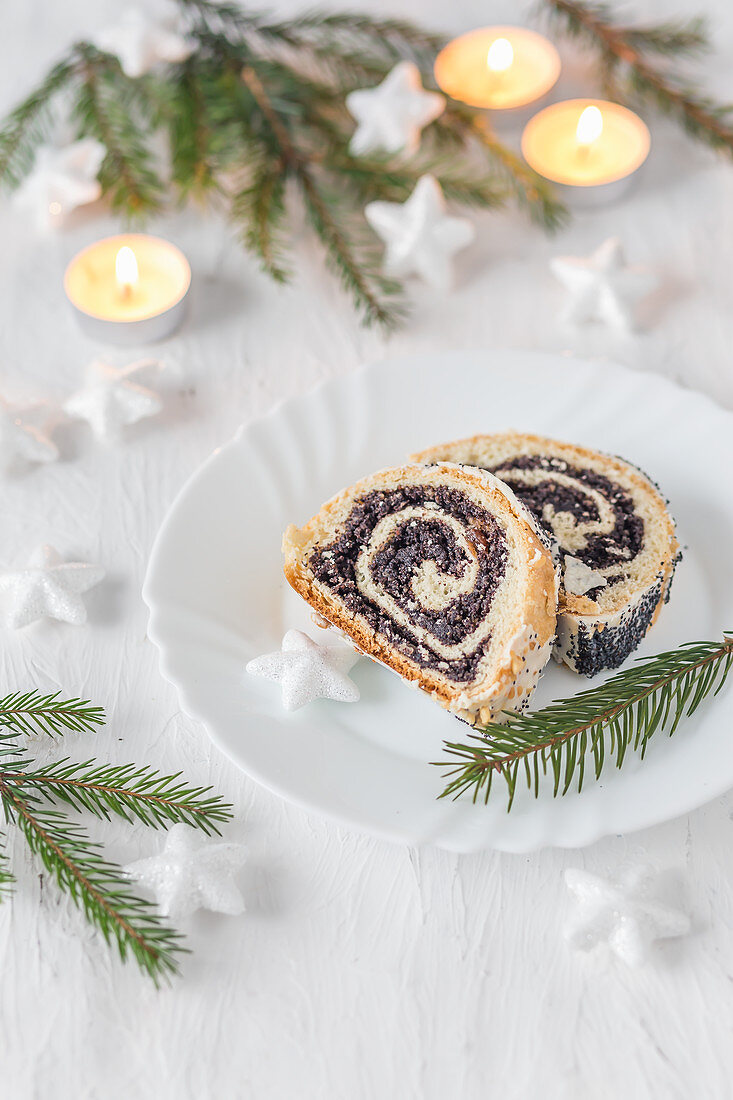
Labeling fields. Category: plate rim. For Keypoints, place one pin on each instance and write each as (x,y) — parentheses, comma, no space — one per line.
(594,830)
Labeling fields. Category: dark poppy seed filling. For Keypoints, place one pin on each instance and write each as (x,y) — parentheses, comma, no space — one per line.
(470,571)
(608,549)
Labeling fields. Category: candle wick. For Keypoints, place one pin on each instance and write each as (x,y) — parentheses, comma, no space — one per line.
(126,291)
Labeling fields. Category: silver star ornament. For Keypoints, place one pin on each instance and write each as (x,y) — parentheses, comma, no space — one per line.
(112,399)
(60,180)
(622,913)
(48,588)
(21,443)
(391,116)
(190,874)
(602,287)
(308,671)
(141,39)
(420,237)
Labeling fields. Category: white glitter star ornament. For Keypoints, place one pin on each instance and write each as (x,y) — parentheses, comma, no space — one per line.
(421,238)
(111,400)
(141,39)
(391,116)
(190,874)
(622,913)
(48,588)
(602,287)
(60,180)
(308,671)
(21,443)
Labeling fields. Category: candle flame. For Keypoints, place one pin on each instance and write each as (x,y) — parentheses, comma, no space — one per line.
(590,126)
(500,55)
(126,268)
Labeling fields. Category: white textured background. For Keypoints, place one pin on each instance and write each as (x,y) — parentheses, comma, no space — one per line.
(361,969)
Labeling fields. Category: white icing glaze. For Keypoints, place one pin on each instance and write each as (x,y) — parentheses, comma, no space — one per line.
(579,578)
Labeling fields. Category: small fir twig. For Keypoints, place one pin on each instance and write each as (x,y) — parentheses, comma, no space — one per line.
(30,796)
(595,727)
(354,268)
(99,888)
(106,110)
(7,878)
(635,61)
(25,127)
(131,792)
(33,712)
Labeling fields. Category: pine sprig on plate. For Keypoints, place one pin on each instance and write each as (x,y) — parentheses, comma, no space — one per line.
(592,729)
(30,796)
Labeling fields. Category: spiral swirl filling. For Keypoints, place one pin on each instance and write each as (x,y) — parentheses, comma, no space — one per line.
(422,566)
(591,517)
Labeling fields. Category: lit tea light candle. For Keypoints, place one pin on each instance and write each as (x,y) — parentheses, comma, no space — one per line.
(499,68)
(591,150)
(129,289)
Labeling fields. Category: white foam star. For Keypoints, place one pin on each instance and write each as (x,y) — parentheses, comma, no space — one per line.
(190,874)
(22,443)
(60,180)
(141,39)
(622,913)
(602,286)
(48,588)
(308,671)
(391,116)
(421,238)
(111,399)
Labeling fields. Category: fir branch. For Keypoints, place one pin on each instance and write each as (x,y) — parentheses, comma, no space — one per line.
(532,193)
(96,886)
(131,792)
(193,167)
(7,879)
(259,210)
(393,179)
(358,267)
(595,726)
(629,47)
(32,712)
(24,128)
(105,109)
(323,33)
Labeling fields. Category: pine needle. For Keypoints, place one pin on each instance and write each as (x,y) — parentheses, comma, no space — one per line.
(594,727)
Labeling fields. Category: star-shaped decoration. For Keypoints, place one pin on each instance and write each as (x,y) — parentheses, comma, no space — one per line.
(391,116)
(308,671)
(623,913)
(48,588)
(21,443)
(112,399)
(190,874)
(602,286)
(60,180)
(141,39)
(421,238)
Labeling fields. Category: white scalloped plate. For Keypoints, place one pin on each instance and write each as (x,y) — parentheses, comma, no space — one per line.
(217,595)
